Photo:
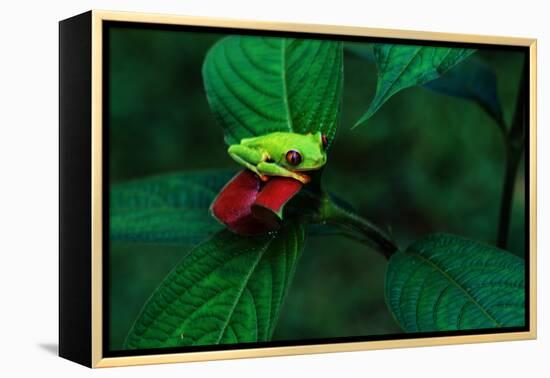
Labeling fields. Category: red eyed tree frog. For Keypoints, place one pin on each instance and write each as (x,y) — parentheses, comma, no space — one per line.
(284,154)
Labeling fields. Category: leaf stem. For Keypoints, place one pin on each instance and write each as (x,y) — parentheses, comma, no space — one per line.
(514,143)
(512,162)
(357,227)
(502,127)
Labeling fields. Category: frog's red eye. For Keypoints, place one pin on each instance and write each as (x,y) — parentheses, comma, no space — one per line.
(325,141)
(293,157)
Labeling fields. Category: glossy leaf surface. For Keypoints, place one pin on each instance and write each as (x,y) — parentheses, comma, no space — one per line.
(228,289)
(166,209)
(445,282)
(404,66)
(258,85)
(473,80)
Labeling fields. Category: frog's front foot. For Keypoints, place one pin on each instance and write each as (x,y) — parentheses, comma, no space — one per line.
(304,179)
(264,178)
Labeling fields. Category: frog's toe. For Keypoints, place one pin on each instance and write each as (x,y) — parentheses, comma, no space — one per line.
(304,178)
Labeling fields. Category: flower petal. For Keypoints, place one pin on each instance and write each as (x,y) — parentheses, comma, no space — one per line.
(248,206)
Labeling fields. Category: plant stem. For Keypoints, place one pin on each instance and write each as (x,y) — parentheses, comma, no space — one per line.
(351,223)
(514,142)
(513,157)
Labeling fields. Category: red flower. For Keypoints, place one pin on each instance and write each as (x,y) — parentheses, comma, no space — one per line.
(249,206)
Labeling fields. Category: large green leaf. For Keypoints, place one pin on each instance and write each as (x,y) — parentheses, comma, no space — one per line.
(173,209)
(473,80)
(166,209)
(258,85)
(446,282)
(404,66)
(227,290)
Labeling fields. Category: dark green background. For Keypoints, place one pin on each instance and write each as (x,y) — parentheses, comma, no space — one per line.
(424,163)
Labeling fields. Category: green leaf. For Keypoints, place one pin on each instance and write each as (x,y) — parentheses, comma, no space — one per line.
(446,282)
(173,209)
(473,80)
(227,290)
(404,66)
(258,85)
(166,209)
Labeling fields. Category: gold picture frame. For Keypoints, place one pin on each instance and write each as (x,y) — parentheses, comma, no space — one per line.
(93,261)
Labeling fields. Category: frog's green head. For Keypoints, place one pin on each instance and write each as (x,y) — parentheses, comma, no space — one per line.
(305,152)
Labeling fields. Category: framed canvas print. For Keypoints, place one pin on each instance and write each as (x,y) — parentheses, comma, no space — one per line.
(235,189)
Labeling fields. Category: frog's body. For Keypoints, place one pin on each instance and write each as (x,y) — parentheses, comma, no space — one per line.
(281,154)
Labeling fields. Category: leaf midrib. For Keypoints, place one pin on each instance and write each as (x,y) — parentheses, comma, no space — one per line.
(163,199)
(392,85)
(242,289)
(285,86)
(456,284)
